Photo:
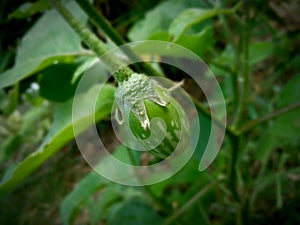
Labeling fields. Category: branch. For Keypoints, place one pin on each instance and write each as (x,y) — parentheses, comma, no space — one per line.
(245,72)
(207,114)
(188,204)
(248,126)
(113,63)
(99,20)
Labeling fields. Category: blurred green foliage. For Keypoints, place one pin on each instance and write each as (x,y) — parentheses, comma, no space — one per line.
(255,178)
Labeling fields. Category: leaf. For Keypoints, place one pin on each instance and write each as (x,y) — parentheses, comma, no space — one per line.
(260,51)
(49,40)
(76,198)
(121,154)
(226,59)
(188,18)
(87,64)
(86,189)
(198,43)
(98,210)
(187,175)
(159,19)
(28,132)
(60,133)
(56,82)
(13,97)
(4,100)
(205,130)
(133,212)
(29,9)
(286,128)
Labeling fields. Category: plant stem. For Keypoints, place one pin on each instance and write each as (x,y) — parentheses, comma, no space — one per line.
(248,126)
(113,63)
(244,211)
(234,75)
(207,114)
(244,76)
(235,141)
(99,20)
(229,11)
(190,203)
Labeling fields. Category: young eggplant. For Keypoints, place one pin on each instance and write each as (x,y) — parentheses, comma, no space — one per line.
(155,118)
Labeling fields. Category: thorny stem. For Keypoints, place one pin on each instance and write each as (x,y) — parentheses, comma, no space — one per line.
(243,79)
(99,20)
(240,93)
(244,76)
(114,64)
(234,75)
(233,135)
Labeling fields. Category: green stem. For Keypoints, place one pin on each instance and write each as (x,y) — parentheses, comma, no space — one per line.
(234,75)
(207,114)
(229,11)
(244,76)
(248,126)
(120,71)
(99,20)
(245,218)
(229,35)
(189,203)
(235,141)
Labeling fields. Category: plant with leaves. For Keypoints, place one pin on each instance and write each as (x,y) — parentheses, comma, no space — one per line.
(252,58)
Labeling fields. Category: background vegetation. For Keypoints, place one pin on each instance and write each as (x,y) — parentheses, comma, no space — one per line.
(251,46)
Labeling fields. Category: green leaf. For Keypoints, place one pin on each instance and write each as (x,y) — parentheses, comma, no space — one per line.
(187,175)
(13,97)
(225,59)
(56,82)
(198,43)
(159,19)
(286,128)
(98,210)
(121,154)
(4,100)
(49,40)
(80,194)
(29,9)
(260,51)
(133,212)
(28,132)
(87,64)
(188,18)
(60,133)
(205,129)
